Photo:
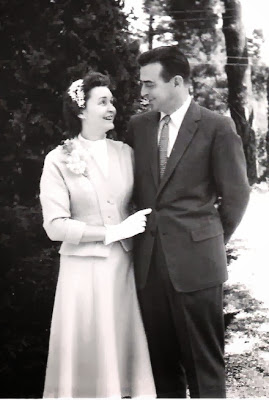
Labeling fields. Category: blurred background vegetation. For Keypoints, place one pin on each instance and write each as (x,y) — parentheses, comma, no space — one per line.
(45,46)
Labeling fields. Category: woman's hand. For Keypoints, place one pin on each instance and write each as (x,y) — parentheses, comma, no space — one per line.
(131,226)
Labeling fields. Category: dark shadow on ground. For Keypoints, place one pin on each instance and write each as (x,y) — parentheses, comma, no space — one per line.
(247,343)
(27,295)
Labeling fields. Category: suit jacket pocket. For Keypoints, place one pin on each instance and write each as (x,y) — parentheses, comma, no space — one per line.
(208,231)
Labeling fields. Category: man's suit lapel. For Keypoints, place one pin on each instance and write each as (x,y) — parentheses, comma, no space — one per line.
(185,134)
(152,144)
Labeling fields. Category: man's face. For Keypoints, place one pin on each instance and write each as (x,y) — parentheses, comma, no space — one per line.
(159,93)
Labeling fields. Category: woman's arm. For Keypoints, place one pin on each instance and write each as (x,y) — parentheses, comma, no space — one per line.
(93,234)
(55,202)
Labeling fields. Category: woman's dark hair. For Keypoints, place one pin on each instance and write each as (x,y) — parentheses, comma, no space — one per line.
(173,61)
(71,109)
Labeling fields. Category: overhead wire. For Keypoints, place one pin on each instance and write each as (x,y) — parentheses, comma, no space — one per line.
(196,11)
(203,19)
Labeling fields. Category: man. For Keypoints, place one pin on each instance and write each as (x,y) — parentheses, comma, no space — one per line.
(188,159)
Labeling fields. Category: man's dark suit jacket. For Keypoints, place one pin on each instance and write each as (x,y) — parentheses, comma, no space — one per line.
(207,163)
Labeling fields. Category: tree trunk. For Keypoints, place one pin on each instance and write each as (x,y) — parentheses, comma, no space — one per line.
(267,135)
(239,82)
(150,31)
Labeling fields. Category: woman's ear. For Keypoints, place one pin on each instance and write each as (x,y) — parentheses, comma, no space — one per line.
(81,116)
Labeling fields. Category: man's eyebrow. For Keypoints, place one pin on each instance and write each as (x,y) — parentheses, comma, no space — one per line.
(147,81)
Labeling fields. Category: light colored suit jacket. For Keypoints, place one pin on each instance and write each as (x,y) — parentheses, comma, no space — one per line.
(70,201)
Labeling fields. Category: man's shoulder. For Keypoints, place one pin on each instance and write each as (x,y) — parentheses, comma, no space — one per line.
(213,115)
(144,115)
(220,123)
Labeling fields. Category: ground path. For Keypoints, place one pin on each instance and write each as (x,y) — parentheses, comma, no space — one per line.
(247,295)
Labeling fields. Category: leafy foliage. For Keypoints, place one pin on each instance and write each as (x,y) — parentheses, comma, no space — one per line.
(195,28)
(65,41)
(259,70)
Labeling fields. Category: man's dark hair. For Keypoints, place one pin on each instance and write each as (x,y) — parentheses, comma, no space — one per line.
(71,110)
(173,61)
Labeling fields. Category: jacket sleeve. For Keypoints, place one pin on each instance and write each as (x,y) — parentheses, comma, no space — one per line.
(130,140)
(229,169)
(130,134)
(55,202)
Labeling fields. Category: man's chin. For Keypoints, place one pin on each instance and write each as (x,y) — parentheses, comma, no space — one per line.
(152,107)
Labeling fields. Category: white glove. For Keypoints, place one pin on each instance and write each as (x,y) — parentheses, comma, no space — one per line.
(130,227)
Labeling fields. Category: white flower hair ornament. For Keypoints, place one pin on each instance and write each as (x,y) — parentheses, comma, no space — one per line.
(76,93)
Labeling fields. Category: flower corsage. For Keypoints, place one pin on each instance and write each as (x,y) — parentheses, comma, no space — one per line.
(76,157)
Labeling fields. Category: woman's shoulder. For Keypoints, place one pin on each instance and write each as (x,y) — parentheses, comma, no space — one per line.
(55,156)
(120,146)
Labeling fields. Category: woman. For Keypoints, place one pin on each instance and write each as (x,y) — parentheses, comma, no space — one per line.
(97,342)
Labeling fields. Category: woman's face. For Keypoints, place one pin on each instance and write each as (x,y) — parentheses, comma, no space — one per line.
(100,112)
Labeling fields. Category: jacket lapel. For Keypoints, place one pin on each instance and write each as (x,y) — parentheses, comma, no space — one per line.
(185,134)
(152,144)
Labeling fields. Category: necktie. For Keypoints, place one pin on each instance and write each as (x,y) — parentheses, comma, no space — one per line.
(163,144)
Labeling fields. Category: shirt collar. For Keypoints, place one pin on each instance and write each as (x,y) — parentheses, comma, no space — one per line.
(92,144)
(178,115)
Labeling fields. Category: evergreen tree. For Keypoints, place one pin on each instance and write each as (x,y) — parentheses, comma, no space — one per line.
(47,45)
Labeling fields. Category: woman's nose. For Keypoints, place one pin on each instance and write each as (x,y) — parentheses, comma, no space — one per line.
(112,107)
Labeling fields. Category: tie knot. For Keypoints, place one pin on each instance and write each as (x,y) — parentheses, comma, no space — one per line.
(166,119)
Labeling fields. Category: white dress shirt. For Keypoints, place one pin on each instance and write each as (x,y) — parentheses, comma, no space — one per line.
(174,124)
(98,150)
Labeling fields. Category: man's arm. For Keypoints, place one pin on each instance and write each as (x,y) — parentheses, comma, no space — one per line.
(229,169)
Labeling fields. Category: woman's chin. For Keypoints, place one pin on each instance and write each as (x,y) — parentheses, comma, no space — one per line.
(110,126)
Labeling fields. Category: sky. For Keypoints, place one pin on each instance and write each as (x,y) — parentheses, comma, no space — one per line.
(255,14)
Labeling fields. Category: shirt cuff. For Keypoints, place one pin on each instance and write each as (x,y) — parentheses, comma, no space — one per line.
(74,231)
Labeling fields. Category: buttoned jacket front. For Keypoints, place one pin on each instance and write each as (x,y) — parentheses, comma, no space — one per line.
(70,201)
(206,164)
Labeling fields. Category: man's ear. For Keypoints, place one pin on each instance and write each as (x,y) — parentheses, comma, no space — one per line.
(178,80)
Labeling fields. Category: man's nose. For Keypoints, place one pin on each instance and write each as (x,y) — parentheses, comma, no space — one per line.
(144,91)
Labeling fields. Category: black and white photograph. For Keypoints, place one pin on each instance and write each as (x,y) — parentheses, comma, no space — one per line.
(134,199)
